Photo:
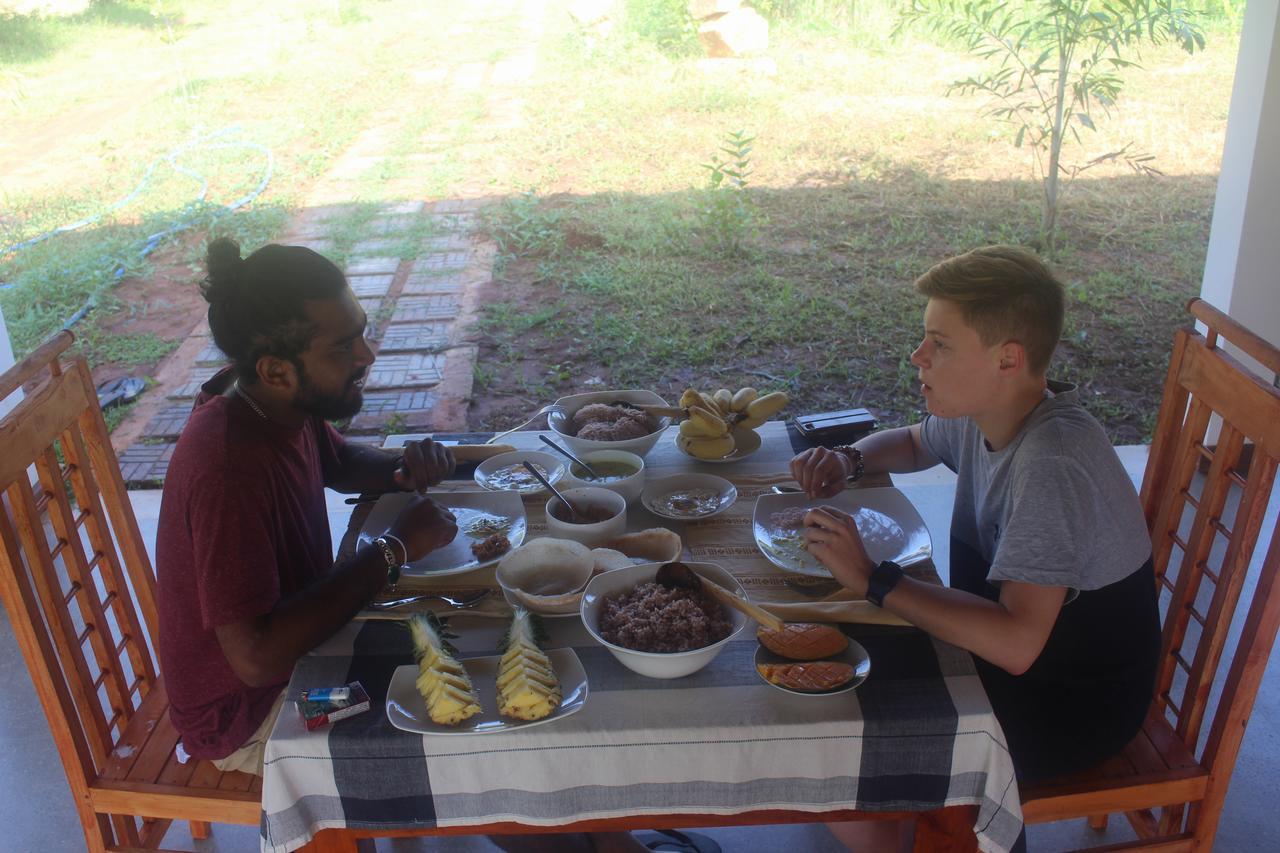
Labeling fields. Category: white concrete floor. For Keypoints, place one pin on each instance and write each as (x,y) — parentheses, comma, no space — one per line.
(37,814)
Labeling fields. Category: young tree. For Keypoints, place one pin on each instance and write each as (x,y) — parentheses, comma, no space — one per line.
(1052,65)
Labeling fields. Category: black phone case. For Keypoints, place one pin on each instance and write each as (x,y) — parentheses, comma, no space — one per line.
(840,427)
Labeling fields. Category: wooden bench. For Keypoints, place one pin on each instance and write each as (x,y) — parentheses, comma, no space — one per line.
(80,592)
(1205,494)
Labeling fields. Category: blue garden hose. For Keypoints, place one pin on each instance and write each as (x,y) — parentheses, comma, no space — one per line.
(209,141)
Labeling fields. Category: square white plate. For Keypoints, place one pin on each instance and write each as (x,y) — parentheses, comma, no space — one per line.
(469,507)
(890,526)
(407,710)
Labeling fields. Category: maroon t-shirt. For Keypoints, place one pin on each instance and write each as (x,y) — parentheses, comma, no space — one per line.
(242,525)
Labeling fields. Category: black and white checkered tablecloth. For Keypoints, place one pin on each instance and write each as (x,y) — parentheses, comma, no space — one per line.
(918,735)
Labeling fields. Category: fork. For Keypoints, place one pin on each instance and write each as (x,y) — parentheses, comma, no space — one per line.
(461,602)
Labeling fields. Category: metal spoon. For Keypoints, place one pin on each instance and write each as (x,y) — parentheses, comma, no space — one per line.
(591,472)
(678,575)
(573,513)
(461,602)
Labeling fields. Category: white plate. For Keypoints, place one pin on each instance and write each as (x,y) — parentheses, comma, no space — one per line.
(657,489)
(855,655)
(745,442)
(553,465)
(890,526)
(456,557)
(407,710)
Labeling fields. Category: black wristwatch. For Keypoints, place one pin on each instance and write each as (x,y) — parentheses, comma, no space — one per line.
(884,578)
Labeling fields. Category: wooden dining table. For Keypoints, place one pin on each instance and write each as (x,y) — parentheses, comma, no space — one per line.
(715,748)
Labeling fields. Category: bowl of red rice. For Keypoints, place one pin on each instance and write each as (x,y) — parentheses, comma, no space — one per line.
(658,632)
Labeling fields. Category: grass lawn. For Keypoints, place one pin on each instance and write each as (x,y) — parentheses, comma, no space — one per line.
(617,265)
(864,175)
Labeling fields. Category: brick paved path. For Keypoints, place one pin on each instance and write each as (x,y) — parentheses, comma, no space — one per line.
(420,309)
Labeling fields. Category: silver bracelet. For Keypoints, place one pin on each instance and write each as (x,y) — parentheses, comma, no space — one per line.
(403,550)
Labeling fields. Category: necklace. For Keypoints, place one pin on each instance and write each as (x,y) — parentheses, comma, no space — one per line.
(253,404)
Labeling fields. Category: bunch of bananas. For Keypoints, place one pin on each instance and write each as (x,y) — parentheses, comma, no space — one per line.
(708,431)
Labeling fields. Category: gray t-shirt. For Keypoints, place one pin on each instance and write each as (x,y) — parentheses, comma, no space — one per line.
(1055,507)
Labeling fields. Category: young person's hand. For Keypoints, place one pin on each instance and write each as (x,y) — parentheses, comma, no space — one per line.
(833,539)
(820,472)
(425,463)
(423,526)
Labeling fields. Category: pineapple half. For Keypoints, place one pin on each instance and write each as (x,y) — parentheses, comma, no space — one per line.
(527,685)
(441,679)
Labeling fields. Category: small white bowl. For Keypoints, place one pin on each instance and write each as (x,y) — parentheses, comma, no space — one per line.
(553,465)
(560,421)
(656,490)
(596,533)
(629,487)
(657,664)
(546,575)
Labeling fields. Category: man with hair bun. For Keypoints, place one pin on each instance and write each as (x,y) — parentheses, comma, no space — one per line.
(244,562)
(1051,580)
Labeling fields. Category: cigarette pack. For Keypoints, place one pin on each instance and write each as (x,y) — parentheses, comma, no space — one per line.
(321,713)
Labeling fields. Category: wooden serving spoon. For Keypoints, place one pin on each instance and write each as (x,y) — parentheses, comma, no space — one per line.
(678,575)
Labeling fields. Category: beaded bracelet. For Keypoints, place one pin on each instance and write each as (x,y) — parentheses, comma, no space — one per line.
(855,456)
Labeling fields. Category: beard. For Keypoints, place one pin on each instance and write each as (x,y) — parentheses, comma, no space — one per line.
(329,405)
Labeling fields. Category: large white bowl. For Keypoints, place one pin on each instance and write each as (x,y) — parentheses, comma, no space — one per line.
(594,534)
(629,487)
(560,421)
(657,664)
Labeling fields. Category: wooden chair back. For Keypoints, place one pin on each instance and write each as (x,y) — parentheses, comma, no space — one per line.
(1205,492)
(74,573)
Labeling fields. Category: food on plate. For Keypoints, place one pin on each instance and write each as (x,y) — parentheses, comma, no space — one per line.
(687,503)
(441,679)
(516,477)
(585,513)
(706,448)
(483,525)
(607,559)
(789,519)
(602,422)
(527,685)
(654,618)
(491,547)
(804,640)
(657,544)
(812,677)
(708,431)
(605,472)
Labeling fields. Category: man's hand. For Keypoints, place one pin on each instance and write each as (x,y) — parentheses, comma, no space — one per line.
(821,472)
(423,526)
(425,463)
(833,539)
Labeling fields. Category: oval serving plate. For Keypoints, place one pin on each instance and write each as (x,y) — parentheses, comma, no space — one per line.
(855,655)
(407,710)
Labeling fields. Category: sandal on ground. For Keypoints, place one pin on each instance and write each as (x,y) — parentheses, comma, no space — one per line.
(119,391)
(674,839)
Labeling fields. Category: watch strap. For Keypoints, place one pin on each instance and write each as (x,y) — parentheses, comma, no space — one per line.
(884,578)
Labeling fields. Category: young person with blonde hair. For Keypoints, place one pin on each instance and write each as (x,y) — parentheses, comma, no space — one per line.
(1051,581)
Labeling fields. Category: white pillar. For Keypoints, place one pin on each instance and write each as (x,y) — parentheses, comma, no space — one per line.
(6,361)
(1242,268)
